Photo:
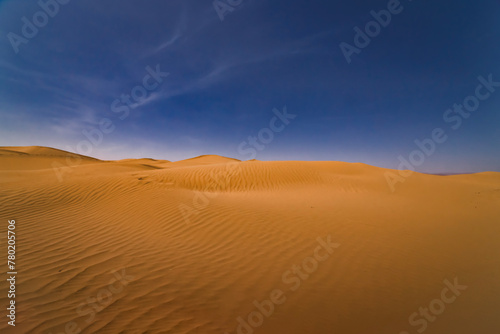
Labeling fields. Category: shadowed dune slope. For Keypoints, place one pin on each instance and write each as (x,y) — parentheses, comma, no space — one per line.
(198,245)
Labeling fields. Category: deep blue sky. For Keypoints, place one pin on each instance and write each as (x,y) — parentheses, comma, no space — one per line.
(225,78)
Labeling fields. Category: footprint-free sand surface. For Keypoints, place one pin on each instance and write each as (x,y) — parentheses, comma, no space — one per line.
(214,245)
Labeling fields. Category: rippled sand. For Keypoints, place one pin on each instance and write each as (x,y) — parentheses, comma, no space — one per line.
(198,246)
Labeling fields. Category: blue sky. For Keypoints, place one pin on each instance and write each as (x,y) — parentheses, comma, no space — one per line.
(226,77)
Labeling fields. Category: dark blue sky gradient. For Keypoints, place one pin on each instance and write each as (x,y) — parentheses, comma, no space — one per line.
(227,76)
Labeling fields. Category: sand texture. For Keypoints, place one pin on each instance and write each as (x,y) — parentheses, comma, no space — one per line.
(153,246)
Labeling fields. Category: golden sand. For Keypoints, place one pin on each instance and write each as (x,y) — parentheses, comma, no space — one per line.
(202,245)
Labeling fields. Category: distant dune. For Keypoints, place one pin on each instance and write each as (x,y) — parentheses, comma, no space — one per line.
(38,157)
(199,245)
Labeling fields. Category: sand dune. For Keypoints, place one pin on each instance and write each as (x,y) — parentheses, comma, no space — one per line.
(37,157)
(204,160)
(152,246)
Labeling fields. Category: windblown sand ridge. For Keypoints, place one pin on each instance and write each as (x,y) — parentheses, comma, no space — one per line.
(196,242)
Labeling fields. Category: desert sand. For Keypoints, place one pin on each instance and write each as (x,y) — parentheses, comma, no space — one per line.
(197,246)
